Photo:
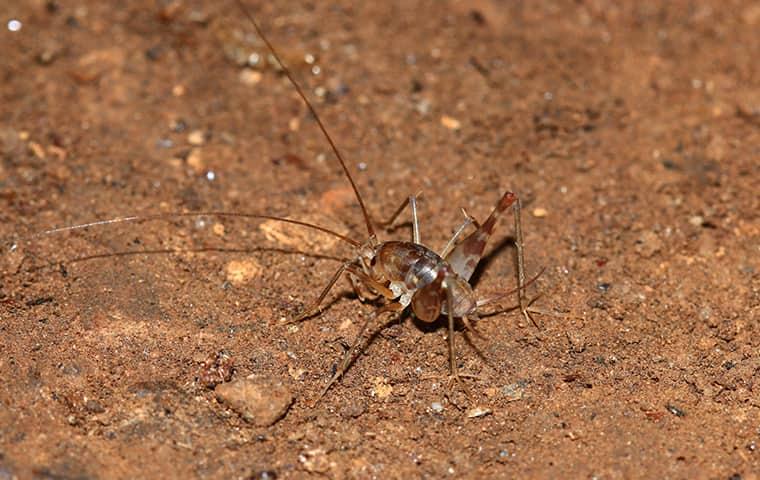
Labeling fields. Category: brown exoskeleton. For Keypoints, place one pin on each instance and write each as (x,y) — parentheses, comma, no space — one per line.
(404,273)
(409,273)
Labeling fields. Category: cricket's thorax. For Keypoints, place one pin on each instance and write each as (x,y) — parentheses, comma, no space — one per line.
(409,267)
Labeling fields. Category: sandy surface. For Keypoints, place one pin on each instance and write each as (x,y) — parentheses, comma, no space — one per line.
(632,134)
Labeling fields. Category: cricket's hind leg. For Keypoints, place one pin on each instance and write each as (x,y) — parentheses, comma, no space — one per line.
(525,305)
(468,220)
(465,256)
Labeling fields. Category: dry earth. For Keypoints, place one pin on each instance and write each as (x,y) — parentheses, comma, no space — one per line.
(631,130)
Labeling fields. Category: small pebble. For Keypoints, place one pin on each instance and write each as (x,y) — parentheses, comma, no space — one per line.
(315,460)
(345,324)
(37,150)
(354,409)
(513,391)
(178,90)
(296,373)
(450,122)
(263,475)
(540,212)
(697,220)
(436,407)
(196,137)
(603,287)
(577,341)
(261,401)
(164,143)
(477,412)
(93,406)
(381,389)
(648,244)
(250,77)
(195,161)
(178,125)
(48,55)
(240,272)
(423,106)
(14,25)
(218,229)
(215,369)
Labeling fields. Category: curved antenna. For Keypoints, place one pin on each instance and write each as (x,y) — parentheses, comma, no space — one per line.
(249,15)
(169,216)
(163,251)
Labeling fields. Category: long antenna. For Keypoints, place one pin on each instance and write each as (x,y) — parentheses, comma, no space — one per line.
(247,13)
(169,216)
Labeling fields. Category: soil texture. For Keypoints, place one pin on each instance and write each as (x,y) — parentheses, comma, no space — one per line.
(162,349)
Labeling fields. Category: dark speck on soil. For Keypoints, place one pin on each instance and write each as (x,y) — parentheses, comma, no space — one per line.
(677,411)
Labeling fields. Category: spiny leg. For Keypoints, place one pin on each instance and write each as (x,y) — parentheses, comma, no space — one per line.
(386,224)
(370,282)
(465,256)
(366,296)
(482,302)
(352,269)
(469,326)
(415,220)
(525,307)
(468,220)
(357,290)
(450,314)
(314,308)
(347,358)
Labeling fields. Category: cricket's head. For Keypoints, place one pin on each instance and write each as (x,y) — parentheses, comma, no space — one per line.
(367,251)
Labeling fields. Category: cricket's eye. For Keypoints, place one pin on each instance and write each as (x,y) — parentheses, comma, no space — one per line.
(373,262)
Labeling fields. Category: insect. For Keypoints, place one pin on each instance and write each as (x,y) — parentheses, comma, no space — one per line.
(406,274)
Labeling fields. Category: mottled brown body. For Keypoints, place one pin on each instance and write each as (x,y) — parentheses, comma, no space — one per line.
(412,271)
(411,274)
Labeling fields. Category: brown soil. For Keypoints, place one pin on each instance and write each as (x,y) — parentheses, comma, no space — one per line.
(631,132)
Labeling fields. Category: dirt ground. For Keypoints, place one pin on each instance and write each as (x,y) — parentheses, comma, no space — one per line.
(631,132)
